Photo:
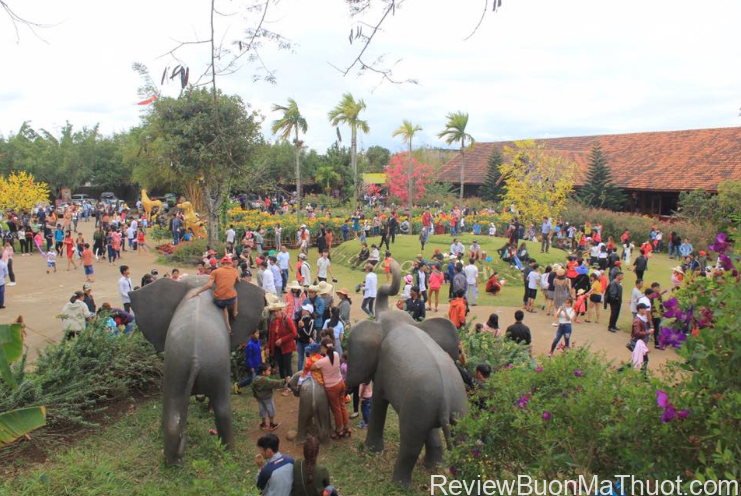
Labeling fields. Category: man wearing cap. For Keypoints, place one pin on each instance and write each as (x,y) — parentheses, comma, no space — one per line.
(88,299)
(224,295)
(317,303)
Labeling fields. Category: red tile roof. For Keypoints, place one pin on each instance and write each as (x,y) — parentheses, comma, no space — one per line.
(660,161)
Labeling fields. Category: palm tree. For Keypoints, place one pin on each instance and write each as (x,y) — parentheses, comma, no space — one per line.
(455,131)
(291,123)
(327,177)
(407,130)
(348,112)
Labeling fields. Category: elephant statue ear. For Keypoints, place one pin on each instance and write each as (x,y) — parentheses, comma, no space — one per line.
(444,333)
(154,305)
(250,303)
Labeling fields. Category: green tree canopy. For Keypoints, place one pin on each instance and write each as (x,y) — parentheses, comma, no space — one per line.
(493,188)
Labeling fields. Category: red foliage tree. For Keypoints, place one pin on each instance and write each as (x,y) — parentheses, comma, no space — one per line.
(397,177)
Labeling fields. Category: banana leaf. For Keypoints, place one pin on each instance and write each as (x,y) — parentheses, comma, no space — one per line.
(17,423)
(11,349)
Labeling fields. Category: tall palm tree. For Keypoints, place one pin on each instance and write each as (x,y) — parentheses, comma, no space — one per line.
(455,131)
(407,130)
(290,124)
(348,112)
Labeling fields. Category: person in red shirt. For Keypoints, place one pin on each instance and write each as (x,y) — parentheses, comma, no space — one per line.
(282,335)
(225,295)
(87,262)
(69,244)
(426,218)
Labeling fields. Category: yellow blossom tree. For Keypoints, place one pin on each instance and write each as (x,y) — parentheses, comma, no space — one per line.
(538,181)
(19,191)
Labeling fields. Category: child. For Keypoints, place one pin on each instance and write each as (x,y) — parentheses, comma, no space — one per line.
(262,388)
(408,280)
(387,266)
(80,244)
(581,304)
(457,310)
(87,262)
(366,393)
(140,241)
(313,353)
(252,360)
(51,261)
(306,332)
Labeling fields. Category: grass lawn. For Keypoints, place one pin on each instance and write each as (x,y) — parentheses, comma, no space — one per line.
(125,458)
(406,248)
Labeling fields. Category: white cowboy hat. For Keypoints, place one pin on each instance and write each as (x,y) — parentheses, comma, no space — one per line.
(678,269)
(324,288)
(314,288)
(293,285)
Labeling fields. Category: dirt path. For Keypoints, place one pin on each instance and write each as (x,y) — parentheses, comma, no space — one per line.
(39,296)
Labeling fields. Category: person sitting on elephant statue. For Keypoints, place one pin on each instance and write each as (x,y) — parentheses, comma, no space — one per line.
(225,296)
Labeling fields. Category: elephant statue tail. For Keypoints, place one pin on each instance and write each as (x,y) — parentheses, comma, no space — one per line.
(446,433)
(382,296)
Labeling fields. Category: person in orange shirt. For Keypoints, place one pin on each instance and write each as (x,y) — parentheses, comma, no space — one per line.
(328,238)
(225,296)
(87,262)
(457,311)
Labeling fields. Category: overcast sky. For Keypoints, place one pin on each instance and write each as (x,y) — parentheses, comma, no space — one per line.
(535,68)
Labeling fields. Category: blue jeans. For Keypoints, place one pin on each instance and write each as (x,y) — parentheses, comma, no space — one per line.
(518,263)
(365,409)
(301,354)
(564,330)
(175,239)
(2,294)
(247,380)
(284,276)
(367,306)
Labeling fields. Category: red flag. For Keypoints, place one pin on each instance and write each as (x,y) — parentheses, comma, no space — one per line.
(149,100)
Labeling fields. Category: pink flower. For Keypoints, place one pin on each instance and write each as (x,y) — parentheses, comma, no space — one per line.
(683,414)
(669,414)
(662,399)
(546,416)
(538,370)
(577,373)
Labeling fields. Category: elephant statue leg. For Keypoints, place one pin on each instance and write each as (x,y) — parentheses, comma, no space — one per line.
(304,418)
(175,416)
(323,422)
(433,449)
(374,438)
(413,437)
(223,413)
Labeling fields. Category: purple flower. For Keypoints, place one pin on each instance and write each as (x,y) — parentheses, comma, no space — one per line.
(662,399)
(721,244)
(509,366)
(725,261)
(683,414)
(577,373)
(538,370)
(706,318)
(453,470)
(669,414)
(546,416)
(523,401)
(672,337)
(476,453)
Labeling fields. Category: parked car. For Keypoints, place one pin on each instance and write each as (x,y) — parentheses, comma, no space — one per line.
(61,207)
(170,199)
(79,198)
(108,197)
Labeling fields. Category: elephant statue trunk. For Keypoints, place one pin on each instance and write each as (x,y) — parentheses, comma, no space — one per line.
(313,409)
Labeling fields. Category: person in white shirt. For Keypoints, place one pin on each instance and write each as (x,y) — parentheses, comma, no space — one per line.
(492,229)
(533,281)
(124,286)
(268,281)
(277,277)
(305,270)
(565,316)
(284,264)
(635,296)
(131,237)
(457,248)
(370,288)
(323,266)
(230,234)
(472,276)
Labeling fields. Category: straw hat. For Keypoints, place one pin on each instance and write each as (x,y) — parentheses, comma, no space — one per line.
(276,306)
(580,292)
(271,298)
(560,272)
(344,293)
(324,288)
(314,288)
(293,285)
(678,269)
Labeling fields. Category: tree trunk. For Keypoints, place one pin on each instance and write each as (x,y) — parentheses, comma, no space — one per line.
(463,168)
(213,203)
(298,180)
(410,186)
(354,162)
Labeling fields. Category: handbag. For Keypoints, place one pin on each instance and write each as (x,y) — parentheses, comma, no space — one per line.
(631,344)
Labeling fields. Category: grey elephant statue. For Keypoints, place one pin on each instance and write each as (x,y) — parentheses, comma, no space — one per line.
(413,373)
(193,335)
(313,410)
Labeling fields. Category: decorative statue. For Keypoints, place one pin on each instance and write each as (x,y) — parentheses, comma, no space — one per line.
(193,335)
(313,410)
(149,204)
(413,373)
(191,217)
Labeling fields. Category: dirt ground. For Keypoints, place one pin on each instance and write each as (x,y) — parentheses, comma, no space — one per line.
(39,298)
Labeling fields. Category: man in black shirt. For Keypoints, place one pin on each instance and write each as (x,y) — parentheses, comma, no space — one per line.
(415,306)
(614,298)
(640,264)
(519,332)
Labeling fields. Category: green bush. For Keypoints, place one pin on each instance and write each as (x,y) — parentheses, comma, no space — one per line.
(158,233)
(615,223)
(75,379)
(190,252)
(497,352)
(575,415)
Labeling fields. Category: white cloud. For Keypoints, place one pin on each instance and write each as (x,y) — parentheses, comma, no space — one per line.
(535,68)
